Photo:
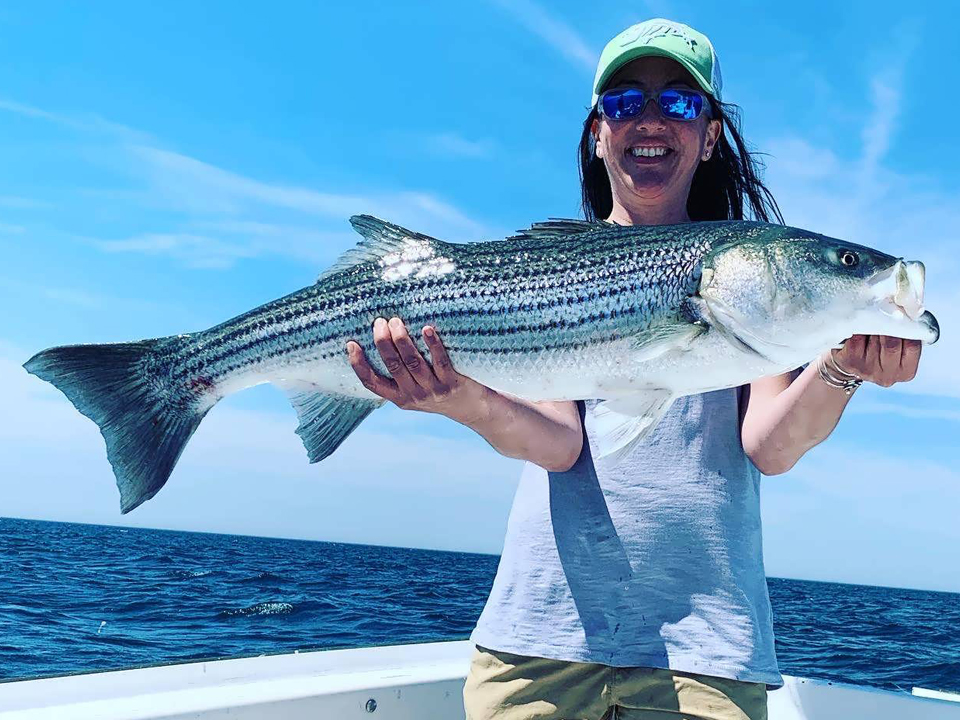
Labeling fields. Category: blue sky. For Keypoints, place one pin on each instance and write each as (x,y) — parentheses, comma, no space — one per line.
(164,167)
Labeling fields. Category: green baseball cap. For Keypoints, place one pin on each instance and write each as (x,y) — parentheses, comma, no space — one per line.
(666,38)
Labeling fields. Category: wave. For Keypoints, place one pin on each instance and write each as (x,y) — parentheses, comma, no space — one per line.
(191,573)
(265,576)
(264,608)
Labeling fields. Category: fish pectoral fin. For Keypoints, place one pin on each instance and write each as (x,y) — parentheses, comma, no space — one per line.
(326,419)
(719,321)
(657,341)
(619,424)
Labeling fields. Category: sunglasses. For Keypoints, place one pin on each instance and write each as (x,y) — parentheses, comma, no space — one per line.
(674,103)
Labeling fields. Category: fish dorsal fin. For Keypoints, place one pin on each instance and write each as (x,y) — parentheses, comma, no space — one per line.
(387,244)
(556,228)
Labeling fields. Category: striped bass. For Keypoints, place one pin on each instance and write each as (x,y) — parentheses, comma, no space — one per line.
(566,310)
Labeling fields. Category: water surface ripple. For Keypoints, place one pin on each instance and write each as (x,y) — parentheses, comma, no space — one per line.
(84,598)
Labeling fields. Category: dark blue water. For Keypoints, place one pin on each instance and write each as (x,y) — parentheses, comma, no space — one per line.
(82,598)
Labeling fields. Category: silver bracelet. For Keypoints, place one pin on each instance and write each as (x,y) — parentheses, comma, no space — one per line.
(835,376)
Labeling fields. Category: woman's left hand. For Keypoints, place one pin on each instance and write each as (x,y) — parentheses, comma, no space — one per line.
(880,359)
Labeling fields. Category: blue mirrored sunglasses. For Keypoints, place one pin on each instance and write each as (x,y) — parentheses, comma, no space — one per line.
(674,103)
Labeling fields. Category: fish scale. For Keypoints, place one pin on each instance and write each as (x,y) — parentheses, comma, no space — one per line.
(564,290)
(564,310)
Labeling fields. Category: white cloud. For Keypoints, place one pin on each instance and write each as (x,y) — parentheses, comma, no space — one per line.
(207,193)
(874,407)
(89,123)
(69,296)
(199,186)
(33,112)
(64,295)
(196,251)
(296,241)
(19,202)
(555,32)
(202,188)
(244,217)
(451,144)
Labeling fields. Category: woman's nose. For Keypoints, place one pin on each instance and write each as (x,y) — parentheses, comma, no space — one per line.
(651,115)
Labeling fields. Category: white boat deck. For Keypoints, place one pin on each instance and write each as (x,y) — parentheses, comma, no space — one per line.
(401,682)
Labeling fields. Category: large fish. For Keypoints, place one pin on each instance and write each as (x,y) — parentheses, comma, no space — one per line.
(566,310)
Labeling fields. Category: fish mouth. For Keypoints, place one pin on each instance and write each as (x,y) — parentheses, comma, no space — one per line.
(899,290)
(932,326)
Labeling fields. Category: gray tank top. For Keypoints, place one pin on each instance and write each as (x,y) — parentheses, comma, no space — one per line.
(657,562)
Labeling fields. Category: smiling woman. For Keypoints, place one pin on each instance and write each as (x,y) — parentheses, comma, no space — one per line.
(717,183)
(639,591)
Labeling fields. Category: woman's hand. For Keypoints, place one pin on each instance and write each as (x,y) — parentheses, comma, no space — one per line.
(546,433)
(880,359)
(415,384)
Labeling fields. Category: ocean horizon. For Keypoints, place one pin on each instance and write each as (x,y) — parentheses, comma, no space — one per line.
(88,598)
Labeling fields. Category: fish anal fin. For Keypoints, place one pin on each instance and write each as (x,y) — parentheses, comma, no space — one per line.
(326,419)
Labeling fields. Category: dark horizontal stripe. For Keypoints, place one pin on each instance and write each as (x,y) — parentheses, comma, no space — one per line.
(438,316)
(571,343)
(318,300)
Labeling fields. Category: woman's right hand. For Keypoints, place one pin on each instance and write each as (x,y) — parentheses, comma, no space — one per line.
(415,384)
(546,433)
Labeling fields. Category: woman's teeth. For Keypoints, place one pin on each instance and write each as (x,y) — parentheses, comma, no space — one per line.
(649,151)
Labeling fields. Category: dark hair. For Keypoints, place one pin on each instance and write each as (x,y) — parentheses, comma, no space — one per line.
(721,185)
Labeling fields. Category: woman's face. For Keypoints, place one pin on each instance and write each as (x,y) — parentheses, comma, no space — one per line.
(638,181)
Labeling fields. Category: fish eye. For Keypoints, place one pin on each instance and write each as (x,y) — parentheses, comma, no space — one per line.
(848,258)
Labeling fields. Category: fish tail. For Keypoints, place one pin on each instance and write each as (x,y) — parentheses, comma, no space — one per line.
(128,390)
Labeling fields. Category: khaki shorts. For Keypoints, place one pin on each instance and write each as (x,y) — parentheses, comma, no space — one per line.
(503,686)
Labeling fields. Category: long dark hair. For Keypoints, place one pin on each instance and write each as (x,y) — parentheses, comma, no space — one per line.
(721,186)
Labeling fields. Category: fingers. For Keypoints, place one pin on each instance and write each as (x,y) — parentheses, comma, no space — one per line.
(370,378)
(442,367)
(413,361)
(891,350)
(886,360)
(852,355)
(384,341)
(910,360)
(413,378)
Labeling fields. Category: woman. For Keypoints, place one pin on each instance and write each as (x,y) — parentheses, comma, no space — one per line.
(639,592)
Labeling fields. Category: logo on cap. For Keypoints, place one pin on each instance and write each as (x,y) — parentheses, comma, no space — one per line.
(650,33)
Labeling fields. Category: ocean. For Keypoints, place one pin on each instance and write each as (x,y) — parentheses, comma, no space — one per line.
(85,598)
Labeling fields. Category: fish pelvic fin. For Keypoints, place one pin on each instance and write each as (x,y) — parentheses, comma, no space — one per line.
(326,419)
(621,423)
(144,422)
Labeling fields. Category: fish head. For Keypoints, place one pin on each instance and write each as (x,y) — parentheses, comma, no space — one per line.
(790,290)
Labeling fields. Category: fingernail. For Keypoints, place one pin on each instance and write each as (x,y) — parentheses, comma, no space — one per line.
(395,322)
(379,321)
(428,331)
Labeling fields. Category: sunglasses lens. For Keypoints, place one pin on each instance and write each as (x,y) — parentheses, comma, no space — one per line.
(620,104)
(681,104)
